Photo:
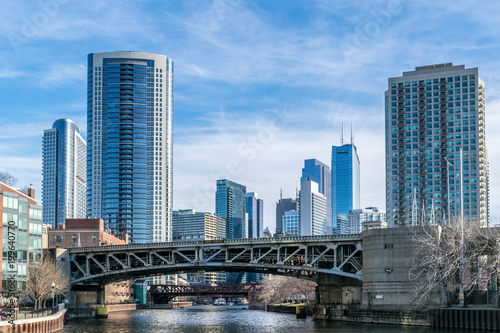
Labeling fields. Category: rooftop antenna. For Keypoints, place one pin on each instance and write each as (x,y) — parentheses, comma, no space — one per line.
(342,135)
(352,137)
(281,193)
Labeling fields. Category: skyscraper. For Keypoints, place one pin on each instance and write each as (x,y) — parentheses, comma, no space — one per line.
(129,127)
(321,174)
(345,181)
(282,206)
(357,216)
(64,159)
(230,204)
(431,114)
(313,219)
(255,211)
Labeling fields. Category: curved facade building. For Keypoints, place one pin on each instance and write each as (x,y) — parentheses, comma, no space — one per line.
(129,163)
(64,175)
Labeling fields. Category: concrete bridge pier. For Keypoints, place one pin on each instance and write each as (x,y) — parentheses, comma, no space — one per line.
(335,289)
(85,299)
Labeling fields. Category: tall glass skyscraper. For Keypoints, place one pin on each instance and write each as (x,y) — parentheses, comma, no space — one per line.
(129,129)
(345,181)
(255,211)
(430,114)
(64,159)
(230,203)
(320,173)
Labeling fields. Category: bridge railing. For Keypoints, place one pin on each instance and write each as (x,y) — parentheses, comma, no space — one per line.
(274,240)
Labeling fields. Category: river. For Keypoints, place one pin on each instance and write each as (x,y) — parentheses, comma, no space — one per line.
(227,319)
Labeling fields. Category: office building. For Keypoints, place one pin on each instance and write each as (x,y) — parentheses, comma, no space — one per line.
(282,206)
(431,114)
(64,163)
(190,225)
(313,219)
(129,147)
(356,218)
(22,216)
(345,181)
(255,210)
(320,173)
(230,204)
(291,223)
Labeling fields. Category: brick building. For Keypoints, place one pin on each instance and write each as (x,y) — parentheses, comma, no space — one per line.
(90,232)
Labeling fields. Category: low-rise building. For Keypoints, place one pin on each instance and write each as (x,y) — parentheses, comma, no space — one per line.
(21,236)
(90,232)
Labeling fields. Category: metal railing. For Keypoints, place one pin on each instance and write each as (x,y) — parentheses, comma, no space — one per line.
(7,314)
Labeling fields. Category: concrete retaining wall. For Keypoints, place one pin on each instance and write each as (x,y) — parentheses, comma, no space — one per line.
(47,324)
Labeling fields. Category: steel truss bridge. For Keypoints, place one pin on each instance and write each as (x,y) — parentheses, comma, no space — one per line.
(164,293)
(301,257)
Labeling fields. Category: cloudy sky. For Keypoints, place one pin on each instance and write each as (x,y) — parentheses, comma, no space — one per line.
(259,86)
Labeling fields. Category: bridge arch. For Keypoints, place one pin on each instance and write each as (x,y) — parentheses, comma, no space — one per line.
(300,257)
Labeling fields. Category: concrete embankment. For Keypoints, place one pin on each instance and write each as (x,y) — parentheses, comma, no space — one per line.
(48,324)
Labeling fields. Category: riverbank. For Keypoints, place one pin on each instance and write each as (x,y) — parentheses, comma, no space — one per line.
(48,324)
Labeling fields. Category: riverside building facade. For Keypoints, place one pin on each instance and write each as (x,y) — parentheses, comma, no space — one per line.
(431,114)
(64,162)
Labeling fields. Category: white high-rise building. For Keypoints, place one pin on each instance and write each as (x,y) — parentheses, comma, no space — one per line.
(431,114)
(358,216)
(313,210)
(64,159)
(129,125)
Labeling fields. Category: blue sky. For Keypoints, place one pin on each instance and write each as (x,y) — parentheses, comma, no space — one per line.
(259,86)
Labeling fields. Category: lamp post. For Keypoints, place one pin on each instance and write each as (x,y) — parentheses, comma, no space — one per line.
(57,295)
(52,294)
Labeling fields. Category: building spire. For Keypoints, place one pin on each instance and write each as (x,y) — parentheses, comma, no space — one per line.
(281,193)
(352,135)
(342,135)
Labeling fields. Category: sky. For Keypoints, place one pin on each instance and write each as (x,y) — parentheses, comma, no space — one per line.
(259,86)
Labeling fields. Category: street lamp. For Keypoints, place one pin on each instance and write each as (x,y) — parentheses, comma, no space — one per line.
(52,294)
(57,295)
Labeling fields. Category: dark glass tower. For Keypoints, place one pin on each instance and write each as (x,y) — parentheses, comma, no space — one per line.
(230,203)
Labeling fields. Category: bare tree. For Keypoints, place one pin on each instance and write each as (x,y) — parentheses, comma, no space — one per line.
(7,178)
(279,288)
(41,275)
(447,261)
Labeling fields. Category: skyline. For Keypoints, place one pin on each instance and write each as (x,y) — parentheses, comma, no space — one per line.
(251,82)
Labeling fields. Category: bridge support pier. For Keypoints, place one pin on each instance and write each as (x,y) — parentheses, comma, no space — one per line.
(85,299)
(335,289)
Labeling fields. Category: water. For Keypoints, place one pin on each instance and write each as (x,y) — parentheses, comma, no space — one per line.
(228,319)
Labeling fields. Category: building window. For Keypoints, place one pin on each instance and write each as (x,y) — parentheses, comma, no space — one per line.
(74,238)
(59,239)
(94,238)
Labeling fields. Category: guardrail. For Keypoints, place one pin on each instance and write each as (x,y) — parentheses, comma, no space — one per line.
(274,240)
(7,314)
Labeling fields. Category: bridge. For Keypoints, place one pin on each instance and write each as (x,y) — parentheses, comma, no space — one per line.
(163,292)
(305,257)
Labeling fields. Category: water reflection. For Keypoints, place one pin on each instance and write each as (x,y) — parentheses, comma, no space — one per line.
(210,319)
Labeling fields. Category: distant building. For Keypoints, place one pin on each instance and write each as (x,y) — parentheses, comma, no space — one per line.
(373,225)
(64,162)
(230,204)
(255,211)
(268,233)
(90,232)
(313,219)
(282,206)
(291,223)
(320,173)
(190,225)
(19,214)
(345,181)
(356,218)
